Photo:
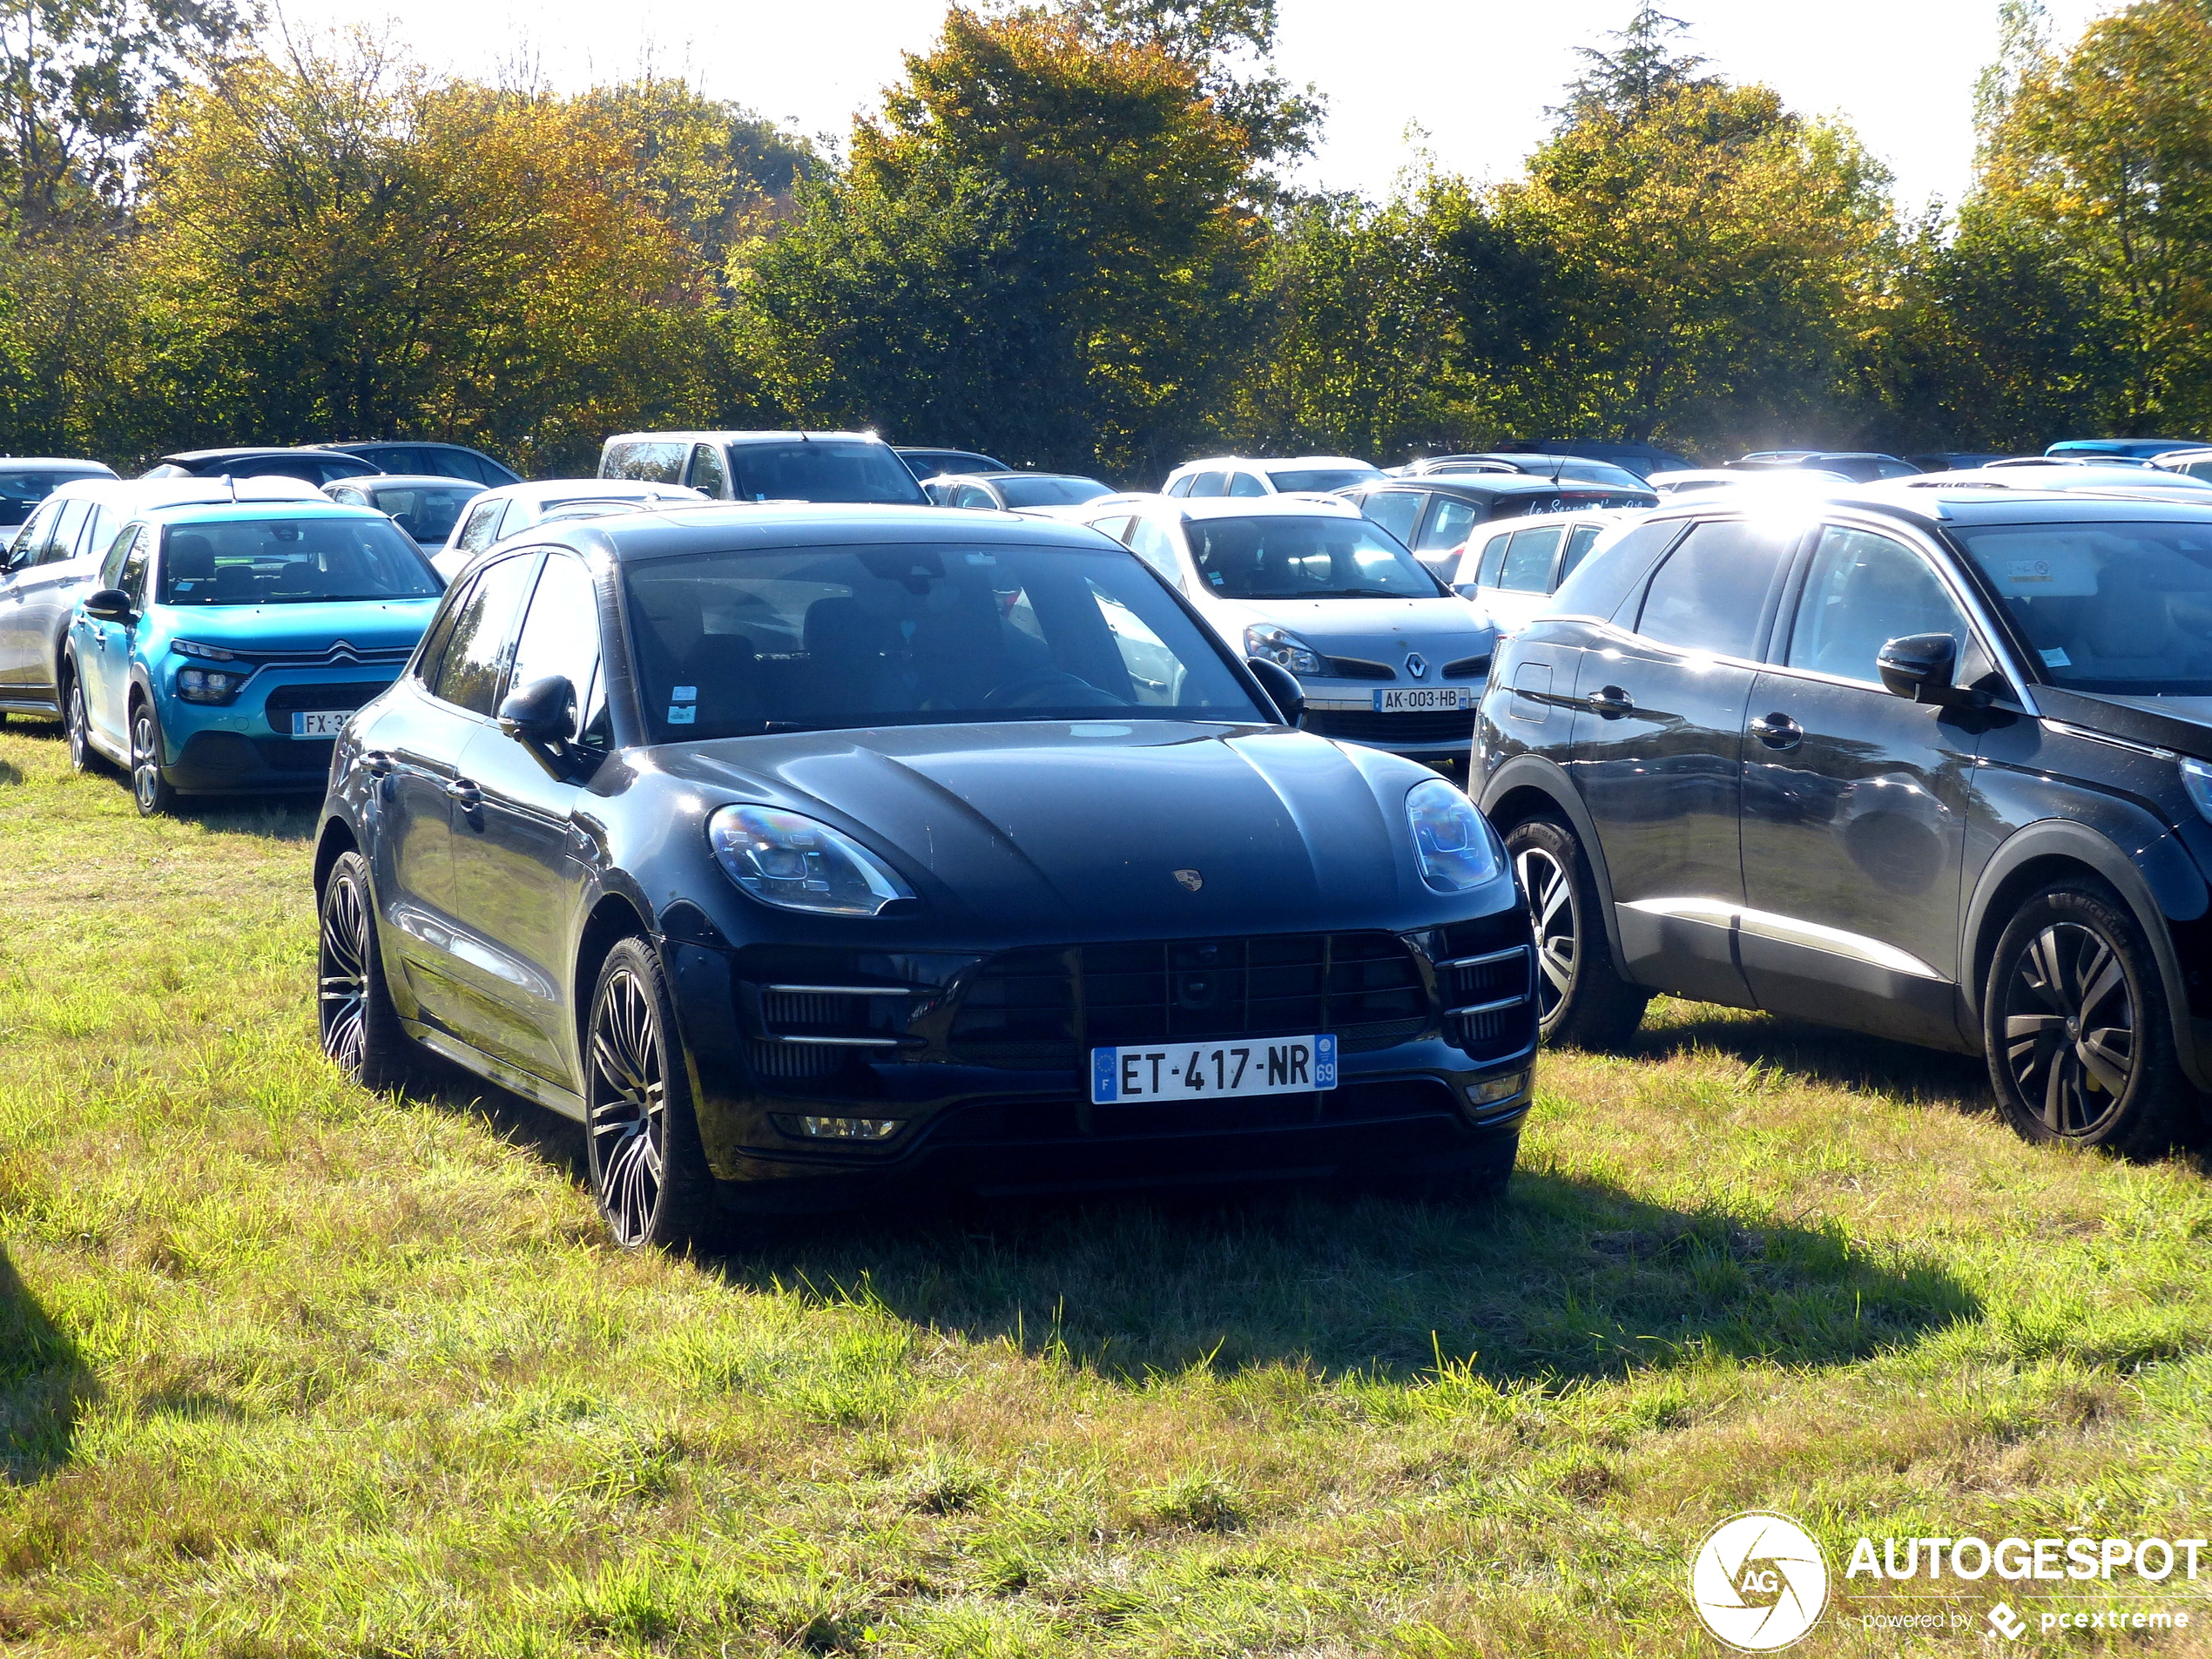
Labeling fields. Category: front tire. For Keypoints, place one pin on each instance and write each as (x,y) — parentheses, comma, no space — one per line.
(649,1171)
(1580,998)
(149,784)
(2077,1029)
(77,726)
(361,1029)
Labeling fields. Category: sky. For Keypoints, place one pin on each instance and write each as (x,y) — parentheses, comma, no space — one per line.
(1465,80)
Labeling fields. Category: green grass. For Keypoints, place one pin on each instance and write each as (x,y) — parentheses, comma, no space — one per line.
(288,1369)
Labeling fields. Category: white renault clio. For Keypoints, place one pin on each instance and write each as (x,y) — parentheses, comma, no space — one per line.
(1387,654)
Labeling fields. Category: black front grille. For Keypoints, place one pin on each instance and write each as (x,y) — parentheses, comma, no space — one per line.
(1359,668)
(295,754)
(814,1032)
(1364,725)
(1467,668)
(286,700)
(1043,1008)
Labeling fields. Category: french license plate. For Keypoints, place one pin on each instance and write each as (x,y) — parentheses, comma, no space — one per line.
(1423,699)
(1213,1070)
(321,723)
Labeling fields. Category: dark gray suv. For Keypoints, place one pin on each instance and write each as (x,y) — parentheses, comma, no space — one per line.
(1927,762)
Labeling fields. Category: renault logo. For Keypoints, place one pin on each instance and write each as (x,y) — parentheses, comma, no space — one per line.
(1416,665)
(1190,880)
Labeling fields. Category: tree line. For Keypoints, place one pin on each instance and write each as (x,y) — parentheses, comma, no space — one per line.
(1067,238)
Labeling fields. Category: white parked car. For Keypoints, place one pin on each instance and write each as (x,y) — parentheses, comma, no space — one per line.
(1385,653)
(1512,573)
(1236,476)
(498,513)
(427,506)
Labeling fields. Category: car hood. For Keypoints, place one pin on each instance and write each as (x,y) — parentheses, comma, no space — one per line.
(2179,723)
(1077,831)
(366,624)
(1382,630)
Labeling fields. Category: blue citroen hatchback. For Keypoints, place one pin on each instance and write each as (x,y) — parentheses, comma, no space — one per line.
(226,645)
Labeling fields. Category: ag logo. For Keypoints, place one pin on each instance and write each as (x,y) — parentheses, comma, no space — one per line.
(1758,1581)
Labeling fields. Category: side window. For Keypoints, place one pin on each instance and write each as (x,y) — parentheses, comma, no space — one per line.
(646,462)
(561,635)
(1494,559)
(133,579)
(87,530)
(1209,484)
(1528,562)
(1395,510)
(974,498)
(1245,483)
(352,497)
(434,644)
(1861,591)
(1181,486)
(1711,593)
(112,560)
(709,475)
(1116,528)
(482,528)
(1156,548)
(1449,521)
(32,539)
(468,674)
(1578,548)
(2198,469)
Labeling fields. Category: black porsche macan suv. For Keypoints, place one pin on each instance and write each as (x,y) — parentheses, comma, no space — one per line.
(804,851)
(1930,762)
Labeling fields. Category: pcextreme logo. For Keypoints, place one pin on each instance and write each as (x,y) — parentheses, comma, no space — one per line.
(1758,1581)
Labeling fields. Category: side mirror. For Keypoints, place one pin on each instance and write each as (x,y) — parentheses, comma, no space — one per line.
(543,711)
(1282,688)
(1467,590)
(108,604)
(1919,666)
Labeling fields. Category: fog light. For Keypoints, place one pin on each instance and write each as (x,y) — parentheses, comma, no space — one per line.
(850,1129)
(1491,1090)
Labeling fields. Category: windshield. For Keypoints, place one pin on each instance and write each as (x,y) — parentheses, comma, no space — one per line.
(425,512)
(1321,478)
(21,491)
(2122,607)
(1049,492)
(1282,556)
(822,469)
(297,561)
(741,643)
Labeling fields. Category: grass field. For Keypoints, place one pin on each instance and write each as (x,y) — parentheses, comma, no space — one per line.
(287,1369)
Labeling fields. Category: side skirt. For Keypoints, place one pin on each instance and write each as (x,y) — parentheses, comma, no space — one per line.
(511,1078)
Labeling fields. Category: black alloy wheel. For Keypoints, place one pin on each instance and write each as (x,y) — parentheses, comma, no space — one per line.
(2080,1038)
(359,1027)
(149,787)
(74,716)
(1580,997)
(648,1171)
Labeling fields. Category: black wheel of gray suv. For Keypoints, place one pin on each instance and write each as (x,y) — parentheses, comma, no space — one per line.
(75,725)
(360,1029)
(1580,997)
(649,1171)
(2075,1022)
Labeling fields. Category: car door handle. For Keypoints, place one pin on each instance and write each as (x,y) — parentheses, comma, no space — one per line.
(1778,732)
(465,791)
(1611,702)
(378,763)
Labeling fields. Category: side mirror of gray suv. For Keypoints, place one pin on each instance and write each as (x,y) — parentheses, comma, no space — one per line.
(1919,666)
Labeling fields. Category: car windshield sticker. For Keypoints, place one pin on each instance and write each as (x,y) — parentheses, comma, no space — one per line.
(2056,657)
(2029,571)
(685,694)
(682,714)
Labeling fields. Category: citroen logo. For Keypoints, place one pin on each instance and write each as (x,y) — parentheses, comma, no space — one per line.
(1190,880)
(1416,665)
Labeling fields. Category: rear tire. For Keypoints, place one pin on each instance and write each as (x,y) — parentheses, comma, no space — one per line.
(149,784)
(361,1029)
(2078,1030)
(649,1172)
(1580,998)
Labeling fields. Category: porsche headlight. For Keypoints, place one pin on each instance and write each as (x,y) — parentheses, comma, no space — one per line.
(1454,842)
(1283,648)
(798,863)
